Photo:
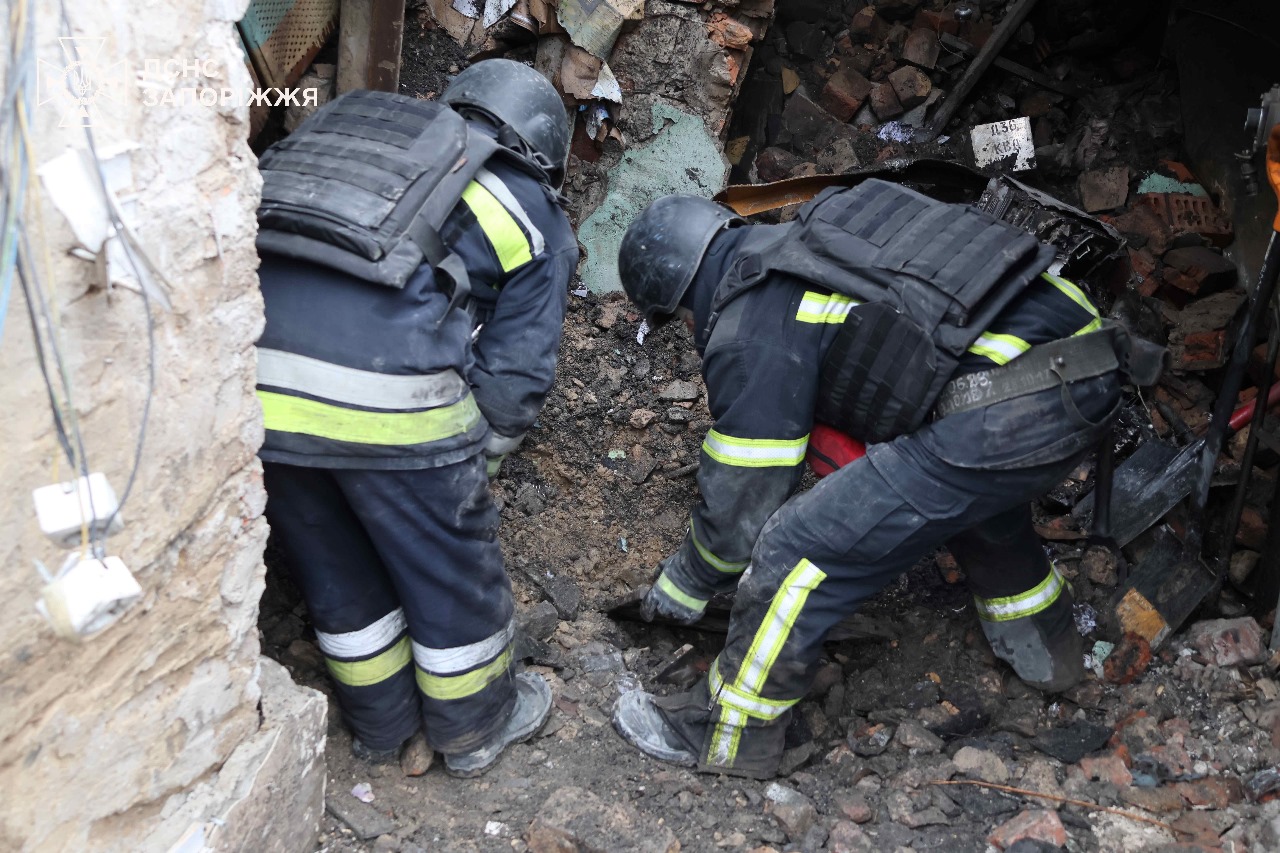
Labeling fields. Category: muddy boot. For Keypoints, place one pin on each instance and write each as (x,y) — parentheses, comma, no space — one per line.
(374,756)
(531,709)
(1044,648)
(642,725)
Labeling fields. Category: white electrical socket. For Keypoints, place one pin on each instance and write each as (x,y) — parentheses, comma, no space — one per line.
(87,596)
(65,508)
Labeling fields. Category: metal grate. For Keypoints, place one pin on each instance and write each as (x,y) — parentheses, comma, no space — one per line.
(283,36)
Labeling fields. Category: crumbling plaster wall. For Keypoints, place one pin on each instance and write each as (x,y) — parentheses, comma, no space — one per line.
(168,722)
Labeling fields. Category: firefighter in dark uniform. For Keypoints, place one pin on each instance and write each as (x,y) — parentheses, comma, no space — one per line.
(770,361)
(387,410)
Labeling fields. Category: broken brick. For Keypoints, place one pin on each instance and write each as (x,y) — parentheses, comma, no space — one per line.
(1229,642)
(1037,825)
(938,20)
(867,25)
(1142,265)
(1212,793)
(1106,768)
(911,85)
(845,93)
(729,32)
(921,48)
(1198,269)
(1153,799)
(1201,351)
(1128,660)
(1184,212)
(1145,228)
(884,102)
(774,164)
(1103,189)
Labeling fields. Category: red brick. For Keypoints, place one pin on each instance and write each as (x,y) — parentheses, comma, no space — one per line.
(867,26)
(1128,660)
(911,85)
(884,102)
(1197,269)
(1252,532)
(921,48)
(1229,642)
(1039,825)
(1201,351)
(1143,266)
(1106,768)
(1146,225)
(1197,828)
(1153,799)
(1184,212)
(940,21)
(845,93)
(1213,793)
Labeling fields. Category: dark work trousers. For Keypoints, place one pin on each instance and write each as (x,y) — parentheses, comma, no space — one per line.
(827,550)
(403,577)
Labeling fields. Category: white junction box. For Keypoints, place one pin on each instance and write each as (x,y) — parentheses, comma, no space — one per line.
(65,508)
(88,596)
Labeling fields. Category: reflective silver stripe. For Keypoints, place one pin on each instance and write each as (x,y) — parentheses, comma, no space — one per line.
(754,452)
(354,387)
(494,185)
(788,601)
(725,737)
(499,445)
(463,658)
(366,641)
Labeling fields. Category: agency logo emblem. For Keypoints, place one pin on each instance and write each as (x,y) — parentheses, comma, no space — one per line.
(82,83)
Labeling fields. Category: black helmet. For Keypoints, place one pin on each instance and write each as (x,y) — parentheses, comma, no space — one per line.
(663,248)
(513,94)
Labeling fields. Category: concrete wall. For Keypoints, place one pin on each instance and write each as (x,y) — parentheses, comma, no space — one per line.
(168,723)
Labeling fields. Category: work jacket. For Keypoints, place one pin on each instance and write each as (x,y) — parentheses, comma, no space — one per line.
(761,364)
(353,374)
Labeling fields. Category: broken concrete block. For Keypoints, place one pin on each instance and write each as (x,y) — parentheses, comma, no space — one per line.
(1229,642)
(575,819)
(981,764)
(884,102)
(911,85)
(921,48)
(1145,228)
(845,93)
(792,810)
(1038,825)
(1002,142)
(539,621)
(848,837)
(1198,269)
(365,820)
(1103,189)
(805,123)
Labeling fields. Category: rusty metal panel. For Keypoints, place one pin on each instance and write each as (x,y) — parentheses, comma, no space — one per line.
(283,36)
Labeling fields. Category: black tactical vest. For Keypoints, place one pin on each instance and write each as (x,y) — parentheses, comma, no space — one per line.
(364,185)
(929,278)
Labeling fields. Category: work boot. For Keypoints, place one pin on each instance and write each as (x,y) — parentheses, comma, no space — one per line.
(532,706)
(1044,649)
(374,756)
(642,725)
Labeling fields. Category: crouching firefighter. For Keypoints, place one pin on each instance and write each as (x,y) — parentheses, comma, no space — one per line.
(415,263)
(932,333)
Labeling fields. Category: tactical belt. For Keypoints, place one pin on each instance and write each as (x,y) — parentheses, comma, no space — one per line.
(1040,368)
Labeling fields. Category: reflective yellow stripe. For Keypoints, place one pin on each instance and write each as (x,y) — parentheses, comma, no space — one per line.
(767,644)
(362,673)
(284,413)
(508,241)
(752,706)
(711,559)
(754,452)
(675,593)
(824,307)
(1072,292)
(1000,348)
(466,684)
(1094,325)
(1024,604)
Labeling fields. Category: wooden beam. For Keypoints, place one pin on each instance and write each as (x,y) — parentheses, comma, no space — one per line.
(369,39)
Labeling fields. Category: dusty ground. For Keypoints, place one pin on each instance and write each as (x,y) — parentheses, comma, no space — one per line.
(600,493)
(592,503)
